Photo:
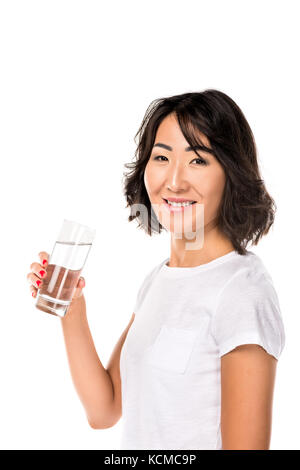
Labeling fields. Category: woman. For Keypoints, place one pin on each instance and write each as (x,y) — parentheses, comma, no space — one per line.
(195,367)
(207,329)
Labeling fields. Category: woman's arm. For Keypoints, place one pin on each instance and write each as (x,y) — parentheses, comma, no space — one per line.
(91,380)
(247,384)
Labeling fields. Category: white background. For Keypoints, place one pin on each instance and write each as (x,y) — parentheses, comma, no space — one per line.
(76,79)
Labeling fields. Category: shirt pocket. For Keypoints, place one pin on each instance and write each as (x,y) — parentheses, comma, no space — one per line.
(172,349)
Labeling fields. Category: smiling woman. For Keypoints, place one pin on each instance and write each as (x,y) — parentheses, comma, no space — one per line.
(194,178)
(198,364)
(212,123)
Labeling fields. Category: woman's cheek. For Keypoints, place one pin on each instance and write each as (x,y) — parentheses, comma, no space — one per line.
(213,202)
(149,180)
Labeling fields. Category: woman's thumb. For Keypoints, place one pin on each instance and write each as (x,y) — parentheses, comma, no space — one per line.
(78,290)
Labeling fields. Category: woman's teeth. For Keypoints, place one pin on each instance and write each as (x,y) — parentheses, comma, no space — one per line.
(180,204)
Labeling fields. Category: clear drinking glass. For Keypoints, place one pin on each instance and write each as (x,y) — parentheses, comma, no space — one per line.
(64,267)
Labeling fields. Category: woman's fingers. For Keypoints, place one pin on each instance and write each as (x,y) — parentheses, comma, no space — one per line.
(38,273)
(38,270)
(34,280)
(33,290)
(79,287)
(44,258)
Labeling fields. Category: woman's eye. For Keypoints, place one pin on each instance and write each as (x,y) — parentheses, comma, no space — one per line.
(200,160)
(160,156)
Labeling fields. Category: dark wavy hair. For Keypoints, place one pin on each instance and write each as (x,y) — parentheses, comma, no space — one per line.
(247,210)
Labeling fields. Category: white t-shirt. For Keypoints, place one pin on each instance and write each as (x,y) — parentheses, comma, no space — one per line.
(185,320)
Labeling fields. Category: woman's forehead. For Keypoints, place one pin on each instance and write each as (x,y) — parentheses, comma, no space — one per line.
(170,134)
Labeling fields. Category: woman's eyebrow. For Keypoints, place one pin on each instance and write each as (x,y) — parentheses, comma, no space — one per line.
(187,149)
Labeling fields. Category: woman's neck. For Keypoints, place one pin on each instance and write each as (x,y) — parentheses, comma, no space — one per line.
(214,245)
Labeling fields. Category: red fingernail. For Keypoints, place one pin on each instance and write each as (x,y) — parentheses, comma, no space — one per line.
(42,273)
(32,293)
(38,283)
(44,261)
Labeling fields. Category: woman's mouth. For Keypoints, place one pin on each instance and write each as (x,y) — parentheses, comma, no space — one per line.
(177,206)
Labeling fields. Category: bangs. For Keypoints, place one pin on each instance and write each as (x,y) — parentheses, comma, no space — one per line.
(192,129)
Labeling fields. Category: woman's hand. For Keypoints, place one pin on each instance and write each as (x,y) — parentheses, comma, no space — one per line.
(39,272)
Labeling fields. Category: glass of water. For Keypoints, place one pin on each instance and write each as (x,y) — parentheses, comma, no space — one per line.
(65,264)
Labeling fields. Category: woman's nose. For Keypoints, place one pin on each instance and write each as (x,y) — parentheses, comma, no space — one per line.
(176,180)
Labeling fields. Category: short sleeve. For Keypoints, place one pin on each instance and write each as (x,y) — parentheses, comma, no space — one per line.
(248,312)
(144,287)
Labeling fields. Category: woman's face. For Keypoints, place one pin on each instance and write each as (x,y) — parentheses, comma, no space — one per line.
(176,172)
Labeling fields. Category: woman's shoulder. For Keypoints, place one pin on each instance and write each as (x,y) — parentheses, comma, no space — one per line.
(146,283)
(250,277)
(248,282)
(247,309)
(151,273)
